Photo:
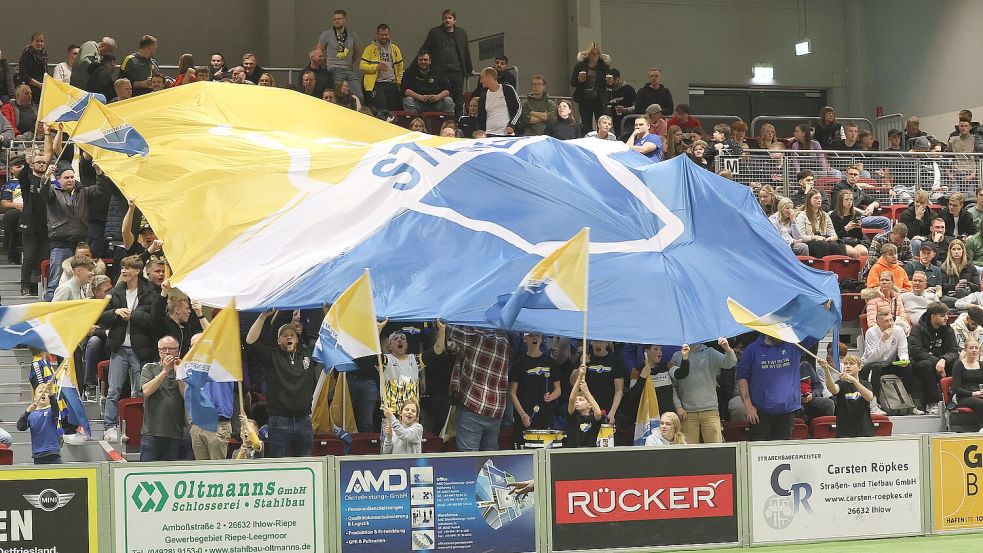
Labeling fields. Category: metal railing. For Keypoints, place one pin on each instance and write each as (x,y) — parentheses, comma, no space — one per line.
(889,177)
(883,125)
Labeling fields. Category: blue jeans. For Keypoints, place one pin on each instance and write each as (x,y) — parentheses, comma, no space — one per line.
(290,436)
(121,363)
(876,221)
(476,432)
(49,459)
(56,257)
(156,448)
(413,106)
(95,351)
(365,402)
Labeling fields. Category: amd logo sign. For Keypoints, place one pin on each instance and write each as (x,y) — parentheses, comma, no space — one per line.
(389,480)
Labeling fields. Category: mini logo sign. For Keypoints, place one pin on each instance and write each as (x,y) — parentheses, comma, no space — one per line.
(150,497)
(48,500)
(616,500)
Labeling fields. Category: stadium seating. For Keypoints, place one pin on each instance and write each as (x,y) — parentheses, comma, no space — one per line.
(955,416)
(6,456)
(432,443)
(365,443)
(844,266)
(825,427)
(131,420)
(326,444)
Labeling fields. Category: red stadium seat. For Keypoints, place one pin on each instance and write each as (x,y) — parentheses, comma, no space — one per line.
(882,425)
(45,269)
(813,262)
(505,439)
(870,233)
(844,266)
(434,119)
(822,427)
(403,118)
(102,370)
(894,211)
(799,430)
(956,416)
(432,443)
(131,419)
(365,443)
(853,306)
(736,431)
(325,444)
(6,456)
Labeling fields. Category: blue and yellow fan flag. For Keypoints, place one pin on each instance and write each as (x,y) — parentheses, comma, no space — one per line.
(559,281)
(217,357)
(55,327)
(793,322)
(349,330)
(68,386)
(61,102)
(647,419)
(102,128)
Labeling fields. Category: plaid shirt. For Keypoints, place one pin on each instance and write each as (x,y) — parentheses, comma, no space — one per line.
(481,374)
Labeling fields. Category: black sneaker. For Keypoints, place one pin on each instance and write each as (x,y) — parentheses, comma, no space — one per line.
(91,393)
(25,291)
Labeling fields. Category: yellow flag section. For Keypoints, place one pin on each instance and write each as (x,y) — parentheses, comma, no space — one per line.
(332,407)
(218,353)
(957,480)
(342,412)
(239,158)
(55,327)
(647,420)
(564,273)
(320,409)
(50,509)
(350,324)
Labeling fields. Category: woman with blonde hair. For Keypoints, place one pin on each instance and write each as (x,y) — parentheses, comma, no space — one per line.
(674,143)
(846,221)
(267,79)
(959,276)
(668,432)
(604,126)
(768,137)
(784,221)
(768,199)
(590,89)
(817,229)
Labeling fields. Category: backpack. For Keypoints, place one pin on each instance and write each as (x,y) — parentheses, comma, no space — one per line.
(893,397)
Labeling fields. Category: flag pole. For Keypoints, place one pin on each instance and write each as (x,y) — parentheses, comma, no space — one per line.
(344,401)
(583,356)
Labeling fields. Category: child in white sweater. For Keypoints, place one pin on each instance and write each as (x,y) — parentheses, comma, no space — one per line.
(403,435)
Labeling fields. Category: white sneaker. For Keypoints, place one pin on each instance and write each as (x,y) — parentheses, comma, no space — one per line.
(111,435)
(934,410)
(78,438)
(875,410)
(917,411)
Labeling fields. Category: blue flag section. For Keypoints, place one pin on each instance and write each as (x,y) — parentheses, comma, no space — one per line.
(669,243)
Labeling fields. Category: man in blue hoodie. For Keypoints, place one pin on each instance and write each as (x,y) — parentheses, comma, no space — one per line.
(768,379)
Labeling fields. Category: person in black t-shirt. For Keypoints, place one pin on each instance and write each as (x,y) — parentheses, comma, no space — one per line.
(606,377)
(534,385)
(583,413)
(853,397)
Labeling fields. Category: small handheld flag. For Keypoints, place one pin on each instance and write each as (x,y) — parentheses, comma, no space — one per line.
(792,322)
(558,281)
(69,391)
(647,419)
(102,128)
(62,102)
(349,330)
(215,358)
(55,327)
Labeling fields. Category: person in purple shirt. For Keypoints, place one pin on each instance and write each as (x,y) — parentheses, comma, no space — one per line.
(644,142)
(768,379)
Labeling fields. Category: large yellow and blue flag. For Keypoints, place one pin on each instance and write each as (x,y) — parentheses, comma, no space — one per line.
(55,327)
(559,281)
(61,102)
(102,128)
(214,361)
(349,330)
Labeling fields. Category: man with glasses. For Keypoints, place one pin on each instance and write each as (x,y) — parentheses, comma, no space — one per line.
(163,406)
(33,222)
(538,109)
(861,199)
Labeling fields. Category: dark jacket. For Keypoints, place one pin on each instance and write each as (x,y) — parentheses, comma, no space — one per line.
(101,81)
(166,326)
(799,198)
(860,198)
(115,214)
(931,344)
(142,339)
(916,227)
(582,91)
(34,218)
(969,274)
(729,148)
(436,42)
(6,79)
(323,80)
(511,102)
(68,215)
(827,135)
(646,96)
(964,226)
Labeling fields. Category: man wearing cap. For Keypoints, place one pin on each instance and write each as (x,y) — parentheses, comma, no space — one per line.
(657,122)
(622,98)
(654,93)
(925,262)
(12,204)
(291,375)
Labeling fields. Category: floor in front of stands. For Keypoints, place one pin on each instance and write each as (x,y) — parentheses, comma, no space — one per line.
(958,542)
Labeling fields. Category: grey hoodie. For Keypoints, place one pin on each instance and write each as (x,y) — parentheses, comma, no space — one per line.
(697,391)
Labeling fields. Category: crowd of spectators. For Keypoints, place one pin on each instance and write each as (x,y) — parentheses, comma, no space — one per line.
(466,382)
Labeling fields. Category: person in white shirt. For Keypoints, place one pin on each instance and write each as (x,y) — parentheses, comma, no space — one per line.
(920,296)
(968,326)
(886,352)
(499,108)
(63,71)
(400,373)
